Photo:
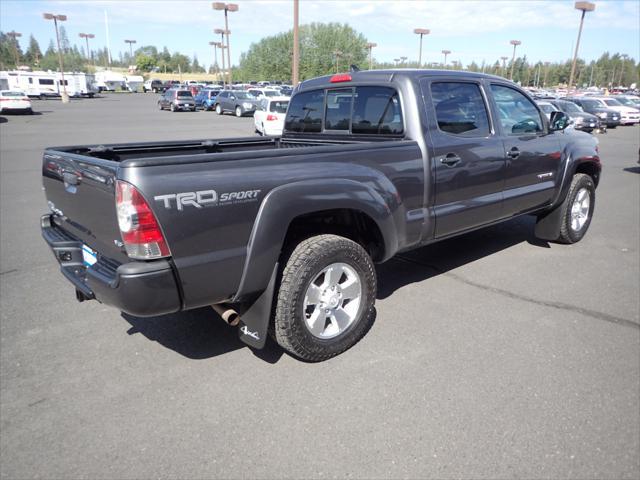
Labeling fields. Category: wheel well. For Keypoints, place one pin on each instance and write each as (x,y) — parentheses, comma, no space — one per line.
(591,169)
(352,224)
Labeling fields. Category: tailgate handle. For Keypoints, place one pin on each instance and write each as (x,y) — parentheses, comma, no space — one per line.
(71,179)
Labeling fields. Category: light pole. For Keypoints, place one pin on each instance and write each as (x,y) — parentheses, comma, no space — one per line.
(295,61)
(396,60)
(584,7)
(215,56)
(546,72)
(222,47)
(15,35)
(403,60)
(515,43)
(338,54)
(87,36)
(63,18)
(446,53)
(227,7)
(370,46)
(504,65)
(422,32)
(130,42)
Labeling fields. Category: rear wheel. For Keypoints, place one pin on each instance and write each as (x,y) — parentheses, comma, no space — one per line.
(326,298)
(172,107)
(577,209)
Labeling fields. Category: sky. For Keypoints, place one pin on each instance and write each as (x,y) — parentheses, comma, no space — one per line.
(472,30)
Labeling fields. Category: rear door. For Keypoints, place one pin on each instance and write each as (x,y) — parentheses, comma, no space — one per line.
(532,152)
(467,155)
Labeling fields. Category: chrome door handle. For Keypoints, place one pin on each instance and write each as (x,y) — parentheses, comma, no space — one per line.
(513,153)
(450,160)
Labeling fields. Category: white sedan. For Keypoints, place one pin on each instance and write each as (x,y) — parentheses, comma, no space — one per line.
(269,115)
(14,101)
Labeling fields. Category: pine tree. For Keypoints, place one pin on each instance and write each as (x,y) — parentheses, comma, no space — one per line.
(33,54)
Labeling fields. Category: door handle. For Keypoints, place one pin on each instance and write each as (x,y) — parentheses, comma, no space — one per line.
(513,153)
(70,178)
(450,160)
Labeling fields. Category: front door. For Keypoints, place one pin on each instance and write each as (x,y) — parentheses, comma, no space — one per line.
(466,156)
(532,152)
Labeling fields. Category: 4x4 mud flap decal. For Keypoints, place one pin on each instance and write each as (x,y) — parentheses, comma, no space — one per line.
(254,322)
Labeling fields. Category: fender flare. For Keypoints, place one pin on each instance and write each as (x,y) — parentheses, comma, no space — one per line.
(283,204)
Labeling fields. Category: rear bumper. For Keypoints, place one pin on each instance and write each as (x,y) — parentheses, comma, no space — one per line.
(142,289)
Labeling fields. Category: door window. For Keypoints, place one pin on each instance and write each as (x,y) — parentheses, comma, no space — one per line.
(518,114)
(460,109)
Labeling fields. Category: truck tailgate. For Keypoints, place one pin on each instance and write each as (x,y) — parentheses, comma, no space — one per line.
(80,191)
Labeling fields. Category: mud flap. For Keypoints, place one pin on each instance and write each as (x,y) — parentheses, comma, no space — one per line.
(254,322)
(548,224)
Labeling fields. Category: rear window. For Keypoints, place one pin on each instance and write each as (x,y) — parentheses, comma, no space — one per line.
(279,107)
(359,110)
(183,94)
(13,94)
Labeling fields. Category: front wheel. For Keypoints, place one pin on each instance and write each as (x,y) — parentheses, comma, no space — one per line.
(218,109)
(577,209)
(172,107)
(238,112)
(159,106)
(326,298)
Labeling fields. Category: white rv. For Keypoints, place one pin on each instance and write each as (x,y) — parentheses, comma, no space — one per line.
(106,80)
(78,84)
(34,84)
(133,82)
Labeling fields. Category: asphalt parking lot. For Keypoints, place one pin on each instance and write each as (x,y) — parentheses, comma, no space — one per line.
(493,355)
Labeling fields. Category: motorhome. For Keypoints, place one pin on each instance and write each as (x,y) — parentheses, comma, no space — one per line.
(133,82)
(34,84)
(78,84)
(107,80)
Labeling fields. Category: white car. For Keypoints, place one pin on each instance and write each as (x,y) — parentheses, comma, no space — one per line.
(628,115)
(269,115)
(264,92)
(14,101)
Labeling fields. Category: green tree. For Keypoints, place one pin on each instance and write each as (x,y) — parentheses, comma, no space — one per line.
(33,54)
(145,63)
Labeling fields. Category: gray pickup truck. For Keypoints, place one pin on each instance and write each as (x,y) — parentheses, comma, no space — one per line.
(280,234)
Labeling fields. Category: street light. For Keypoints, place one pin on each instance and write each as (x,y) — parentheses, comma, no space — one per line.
(338,54)
(584,7)
(215,55)
(396,60)
(445,52)
(402,60)
(87,36)
(130,42)
(63,18)
(15,35)
(295,61)
(504,65)
(227,7)
(370,47)
(515,43)
(222,33)
(421,32)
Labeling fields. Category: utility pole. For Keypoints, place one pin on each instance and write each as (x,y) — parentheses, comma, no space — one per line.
(64,97)
(504,65)
(15,35)
(446,54)
(295,66)
(370,47)
(422,32)
(87,36)
(584,7)
(227,7)
(337,53)
(515,43)
(222,47)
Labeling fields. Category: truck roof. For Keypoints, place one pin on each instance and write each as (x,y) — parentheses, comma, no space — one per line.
(385,76)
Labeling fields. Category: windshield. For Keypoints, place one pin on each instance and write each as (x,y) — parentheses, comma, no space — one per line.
(627,102)
(612,102)
(243,96)
(570,107)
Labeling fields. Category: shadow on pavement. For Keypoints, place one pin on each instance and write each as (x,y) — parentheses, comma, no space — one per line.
(632,169)
(431,261)
(200,334)
(3,120)
(196,334)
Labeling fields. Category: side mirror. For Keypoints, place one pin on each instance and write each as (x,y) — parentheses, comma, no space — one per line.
(232,97)
(559,121)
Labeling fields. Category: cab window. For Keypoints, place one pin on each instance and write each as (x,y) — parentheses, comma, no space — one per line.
(518,114)
(460,109)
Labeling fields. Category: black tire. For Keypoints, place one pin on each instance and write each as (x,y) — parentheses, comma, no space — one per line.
(238,111)
(307,260)
(579,182)
(172,107)
(160,106)
(219,109)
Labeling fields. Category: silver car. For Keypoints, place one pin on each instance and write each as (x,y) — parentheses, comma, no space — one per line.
(238,102)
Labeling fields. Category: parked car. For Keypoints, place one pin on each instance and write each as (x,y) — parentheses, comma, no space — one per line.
(269,115)
(177,99)
(235,101)
(264,92)
(581,120)
(206,98)
(286,90)
(282,234)
(608,117)
(14,101)
(629,100)
(155,86)
(628,115)
(547,107)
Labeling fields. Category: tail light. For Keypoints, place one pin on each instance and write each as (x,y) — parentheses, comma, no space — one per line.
(341,77)
(271,118)
(141,233)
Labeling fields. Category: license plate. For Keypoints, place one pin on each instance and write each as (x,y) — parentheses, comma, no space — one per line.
(89,257)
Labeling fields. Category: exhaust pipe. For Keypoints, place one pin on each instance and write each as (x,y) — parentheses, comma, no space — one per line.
(229,315)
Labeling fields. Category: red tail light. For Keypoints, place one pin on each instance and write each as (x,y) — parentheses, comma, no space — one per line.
(271,118)
(341,77)
(141,233)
